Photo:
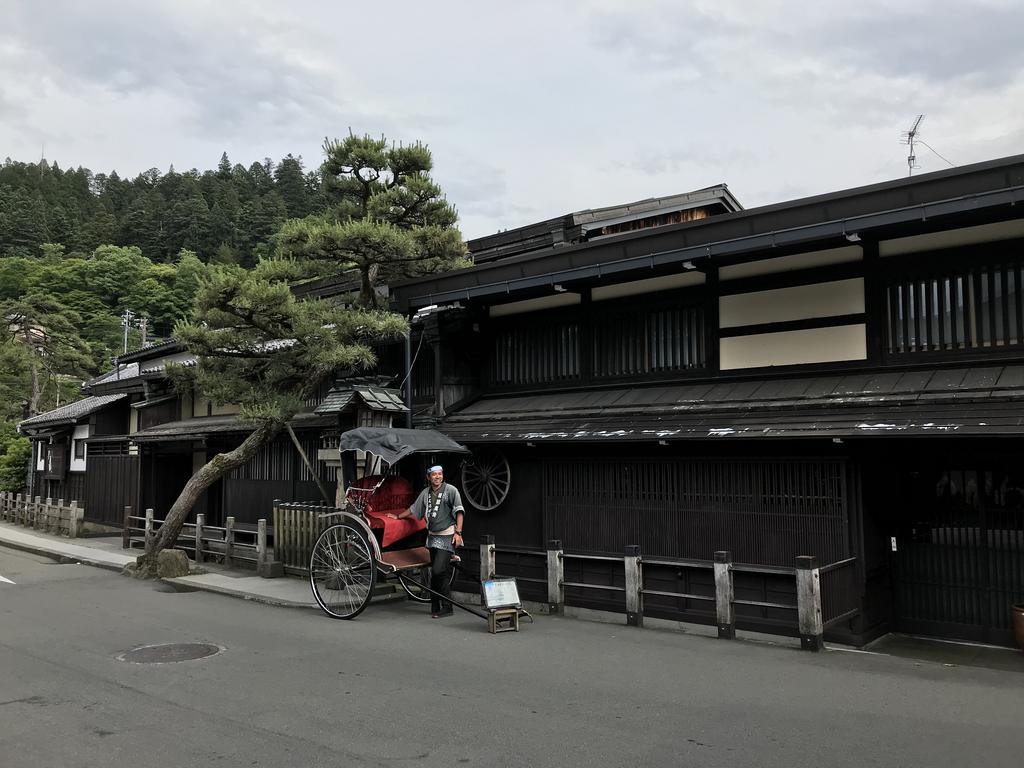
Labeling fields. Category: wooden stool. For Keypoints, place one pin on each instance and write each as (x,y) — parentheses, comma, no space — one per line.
(503,620)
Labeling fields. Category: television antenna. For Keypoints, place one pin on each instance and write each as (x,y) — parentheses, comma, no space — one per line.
(908,138)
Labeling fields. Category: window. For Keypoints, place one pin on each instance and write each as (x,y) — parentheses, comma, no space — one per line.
(964,309)
(79,449)
(648,342)
(536,354)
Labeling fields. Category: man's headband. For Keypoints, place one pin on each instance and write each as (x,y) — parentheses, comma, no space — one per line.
(435,468)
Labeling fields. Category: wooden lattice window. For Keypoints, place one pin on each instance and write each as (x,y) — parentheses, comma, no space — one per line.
(764,511)
(971,308)
(649,341)
(538,354)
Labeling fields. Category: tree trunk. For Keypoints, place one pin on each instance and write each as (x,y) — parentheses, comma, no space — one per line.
(367,298)
(36,393)
(206,476)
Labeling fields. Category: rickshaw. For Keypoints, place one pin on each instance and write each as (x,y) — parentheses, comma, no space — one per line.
(363,544)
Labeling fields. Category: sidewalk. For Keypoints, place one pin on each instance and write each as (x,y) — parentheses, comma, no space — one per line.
(106,552)
(293,592)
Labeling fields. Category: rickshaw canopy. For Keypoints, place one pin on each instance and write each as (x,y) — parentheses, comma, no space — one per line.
(393,445)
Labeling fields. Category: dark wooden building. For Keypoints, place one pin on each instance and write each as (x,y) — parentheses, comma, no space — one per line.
(79,453)
(839,376)
(135,441)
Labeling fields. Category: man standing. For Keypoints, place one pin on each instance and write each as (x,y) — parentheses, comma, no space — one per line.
(441,505)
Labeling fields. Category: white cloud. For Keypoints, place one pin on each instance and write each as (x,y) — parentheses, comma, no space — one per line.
(533,109)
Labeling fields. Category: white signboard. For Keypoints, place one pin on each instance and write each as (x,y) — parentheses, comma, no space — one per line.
(501,593)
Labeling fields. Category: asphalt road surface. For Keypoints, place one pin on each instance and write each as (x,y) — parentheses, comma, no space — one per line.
(394,687)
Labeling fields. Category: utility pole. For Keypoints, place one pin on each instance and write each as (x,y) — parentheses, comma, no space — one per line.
(908,138)
(143,323)
(126,323)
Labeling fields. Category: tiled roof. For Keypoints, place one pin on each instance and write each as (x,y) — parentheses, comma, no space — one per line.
(121,373)
(373,397)
(71,413)
(964,401)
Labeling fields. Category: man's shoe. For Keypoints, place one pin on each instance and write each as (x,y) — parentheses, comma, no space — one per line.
(442,614)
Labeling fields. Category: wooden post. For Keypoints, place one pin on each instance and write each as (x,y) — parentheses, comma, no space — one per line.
(42,512)
(276,519)
(724,596)
(556,578)
(808,602)
(148,532)
(488,566)
(53,522)
(34,516)
(634,587)
(200,533)
(75,517)
(126,533)
(229,540)
(261,542)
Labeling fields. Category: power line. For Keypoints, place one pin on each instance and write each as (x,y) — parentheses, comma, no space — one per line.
(951,165)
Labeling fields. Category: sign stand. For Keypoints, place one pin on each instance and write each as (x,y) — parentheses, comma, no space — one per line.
(501,598)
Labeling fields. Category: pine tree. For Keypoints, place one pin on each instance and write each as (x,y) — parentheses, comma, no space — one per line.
(290,184)
(386,218)
(259,347)
(48,332)
(224,167)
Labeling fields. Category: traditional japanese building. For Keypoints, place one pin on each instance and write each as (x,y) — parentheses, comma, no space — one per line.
(839,376)
(135,441)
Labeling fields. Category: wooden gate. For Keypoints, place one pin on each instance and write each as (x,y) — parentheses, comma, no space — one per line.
(111,482)
(958,553)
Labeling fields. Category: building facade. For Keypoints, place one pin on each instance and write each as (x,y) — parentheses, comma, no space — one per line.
(840,376)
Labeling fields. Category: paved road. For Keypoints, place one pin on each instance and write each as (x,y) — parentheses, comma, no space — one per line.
(394,687)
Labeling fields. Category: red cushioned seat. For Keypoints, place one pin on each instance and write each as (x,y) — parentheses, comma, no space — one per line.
(394,496)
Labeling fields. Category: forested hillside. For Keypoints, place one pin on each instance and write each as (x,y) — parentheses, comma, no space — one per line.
(226,214)
(80,250)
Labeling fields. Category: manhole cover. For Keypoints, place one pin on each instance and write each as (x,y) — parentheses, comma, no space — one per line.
(169,653)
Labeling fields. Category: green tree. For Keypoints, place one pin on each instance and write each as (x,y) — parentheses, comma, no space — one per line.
(290,184)
(259,347)
(188,225)
(22,221)
(14,361)
(16,274)
(224,167)
(15,452)
(48,332)
(386,219)
(258,220)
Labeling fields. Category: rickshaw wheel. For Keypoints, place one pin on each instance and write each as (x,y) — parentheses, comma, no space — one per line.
(423,577)
(342,571)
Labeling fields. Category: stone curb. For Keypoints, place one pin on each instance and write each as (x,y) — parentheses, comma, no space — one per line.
(40,549)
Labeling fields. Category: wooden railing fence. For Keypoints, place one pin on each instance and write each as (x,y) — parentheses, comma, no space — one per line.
(42,514)
(227,545)
(824,596)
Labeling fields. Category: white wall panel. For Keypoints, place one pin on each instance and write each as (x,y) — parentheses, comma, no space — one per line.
(983,233)
(532,305)
(81,432)
(799,302)
(813,345)
(650,285)
(792,263)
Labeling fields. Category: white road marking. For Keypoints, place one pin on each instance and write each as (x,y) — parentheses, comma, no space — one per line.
(6,581)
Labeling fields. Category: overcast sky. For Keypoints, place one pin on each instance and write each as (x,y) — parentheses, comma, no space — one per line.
(532,109)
